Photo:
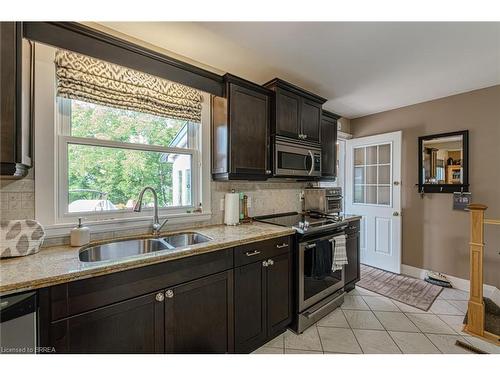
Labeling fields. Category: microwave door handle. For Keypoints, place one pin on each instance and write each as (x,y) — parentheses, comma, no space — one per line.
(312,162)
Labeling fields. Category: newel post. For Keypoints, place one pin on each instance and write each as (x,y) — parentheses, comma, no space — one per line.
(475,313)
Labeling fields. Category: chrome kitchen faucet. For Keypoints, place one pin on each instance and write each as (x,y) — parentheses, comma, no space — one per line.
(138,207)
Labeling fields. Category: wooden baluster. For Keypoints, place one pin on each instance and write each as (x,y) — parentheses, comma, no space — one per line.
(475,312)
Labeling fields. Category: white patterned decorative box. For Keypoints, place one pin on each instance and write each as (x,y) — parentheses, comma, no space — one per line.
(20,237)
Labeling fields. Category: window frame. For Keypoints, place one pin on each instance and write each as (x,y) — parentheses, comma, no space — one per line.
(52,135)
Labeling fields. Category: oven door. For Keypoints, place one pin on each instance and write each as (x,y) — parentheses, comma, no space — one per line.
(291,160)
(311,289)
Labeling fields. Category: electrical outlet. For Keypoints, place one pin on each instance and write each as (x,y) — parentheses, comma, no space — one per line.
(221,204)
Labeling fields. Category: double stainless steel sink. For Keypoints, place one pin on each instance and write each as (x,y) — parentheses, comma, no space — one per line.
(127,248)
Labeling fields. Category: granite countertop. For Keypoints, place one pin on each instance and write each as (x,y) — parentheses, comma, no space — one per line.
(60,264)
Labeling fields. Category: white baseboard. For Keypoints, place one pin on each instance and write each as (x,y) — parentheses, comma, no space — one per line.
(489,291)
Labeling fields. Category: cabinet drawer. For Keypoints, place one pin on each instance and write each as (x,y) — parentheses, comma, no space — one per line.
(261,250)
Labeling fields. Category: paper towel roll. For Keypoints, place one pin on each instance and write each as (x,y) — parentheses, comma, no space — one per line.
(231,208)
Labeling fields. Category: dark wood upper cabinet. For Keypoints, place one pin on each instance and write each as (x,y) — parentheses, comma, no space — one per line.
(329,145)
(296,113)
(287,109)
(16,101)
(241,131)
(199,316)
(310,119)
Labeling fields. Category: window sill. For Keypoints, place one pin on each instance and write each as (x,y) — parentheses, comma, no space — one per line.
(112,225)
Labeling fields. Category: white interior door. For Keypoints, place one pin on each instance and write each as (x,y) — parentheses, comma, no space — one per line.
(373,191)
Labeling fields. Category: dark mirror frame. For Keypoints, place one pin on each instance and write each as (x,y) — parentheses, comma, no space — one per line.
(445,188)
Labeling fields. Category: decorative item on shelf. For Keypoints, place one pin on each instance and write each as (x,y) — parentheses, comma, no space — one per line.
(245,218)
(79,235)
(20,237)
(232,208)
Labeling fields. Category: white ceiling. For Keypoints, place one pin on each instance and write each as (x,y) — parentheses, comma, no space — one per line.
(361,67)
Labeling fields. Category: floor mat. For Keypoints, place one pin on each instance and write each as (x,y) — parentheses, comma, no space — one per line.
(413,292)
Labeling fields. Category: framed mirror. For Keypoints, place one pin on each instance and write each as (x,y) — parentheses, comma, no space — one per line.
(443,162)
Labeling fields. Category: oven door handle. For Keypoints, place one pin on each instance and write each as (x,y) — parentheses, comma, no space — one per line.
(311,314)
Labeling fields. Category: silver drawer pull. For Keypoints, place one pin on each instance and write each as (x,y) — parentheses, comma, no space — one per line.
(252,253)
(282,245)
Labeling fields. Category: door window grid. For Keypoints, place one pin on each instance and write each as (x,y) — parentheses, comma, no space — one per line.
(372,175)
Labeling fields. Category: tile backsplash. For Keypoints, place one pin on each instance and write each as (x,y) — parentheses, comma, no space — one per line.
(17,199)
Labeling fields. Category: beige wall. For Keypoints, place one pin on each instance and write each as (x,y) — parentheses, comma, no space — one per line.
(435,236)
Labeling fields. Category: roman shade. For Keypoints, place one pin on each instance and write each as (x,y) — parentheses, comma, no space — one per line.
(92,80)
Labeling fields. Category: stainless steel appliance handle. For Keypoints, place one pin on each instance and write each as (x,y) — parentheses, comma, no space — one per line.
(252,253)
(312,162)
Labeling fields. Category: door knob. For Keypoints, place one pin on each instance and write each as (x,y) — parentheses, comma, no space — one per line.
(169,293)
(395,213)
(159,297)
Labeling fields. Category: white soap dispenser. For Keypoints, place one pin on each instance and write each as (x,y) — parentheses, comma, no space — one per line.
(80,235)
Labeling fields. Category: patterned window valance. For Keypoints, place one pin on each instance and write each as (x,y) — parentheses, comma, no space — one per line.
(85,78)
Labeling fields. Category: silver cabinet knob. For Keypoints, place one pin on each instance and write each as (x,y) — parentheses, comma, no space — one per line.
(270,262)
(265,263)
(159,297)
(169,293)
(268,171)
(305,136)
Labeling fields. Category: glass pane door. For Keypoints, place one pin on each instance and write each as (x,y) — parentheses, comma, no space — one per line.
(372,175)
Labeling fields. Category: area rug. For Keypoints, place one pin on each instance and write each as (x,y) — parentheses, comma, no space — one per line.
(413,292)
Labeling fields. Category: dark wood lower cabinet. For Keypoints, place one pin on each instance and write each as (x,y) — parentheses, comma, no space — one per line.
(199,316)
(249,306)
(262,301)
(352,269)
(132,326)
(209,307)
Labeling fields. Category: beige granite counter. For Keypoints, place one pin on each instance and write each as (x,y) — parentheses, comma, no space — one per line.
(60,264)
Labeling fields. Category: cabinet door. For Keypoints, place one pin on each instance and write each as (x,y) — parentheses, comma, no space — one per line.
(310,120)
(132,326)
(328,147)
(279,294)
(352,269)
(249,307)
(287,114)
(199,316)
(249,131)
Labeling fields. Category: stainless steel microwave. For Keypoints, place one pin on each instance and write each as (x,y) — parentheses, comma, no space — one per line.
(294,160)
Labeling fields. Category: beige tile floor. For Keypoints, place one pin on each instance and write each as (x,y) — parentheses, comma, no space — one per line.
(370,323)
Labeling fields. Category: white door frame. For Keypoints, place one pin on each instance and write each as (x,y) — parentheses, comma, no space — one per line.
(381,226)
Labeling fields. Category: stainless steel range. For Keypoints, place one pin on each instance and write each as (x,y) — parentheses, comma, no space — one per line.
(317,293)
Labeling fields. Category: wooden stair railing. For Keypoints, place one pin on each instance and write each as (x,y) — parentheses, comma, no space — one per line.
(475,311)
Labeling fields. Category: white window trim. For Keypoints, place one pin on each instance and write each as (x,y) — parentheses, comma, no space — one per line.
(50,196)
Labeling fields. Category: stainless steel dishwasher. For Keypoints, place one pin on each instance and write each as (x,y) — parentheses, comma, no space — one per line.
(18,323)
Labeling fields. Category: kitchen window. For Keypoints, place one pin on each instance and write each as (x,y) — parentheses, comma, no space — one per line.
(103,155)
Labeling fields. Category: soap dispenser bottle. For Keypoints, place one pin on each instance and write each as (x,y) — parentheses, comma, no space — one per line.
(80,235)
